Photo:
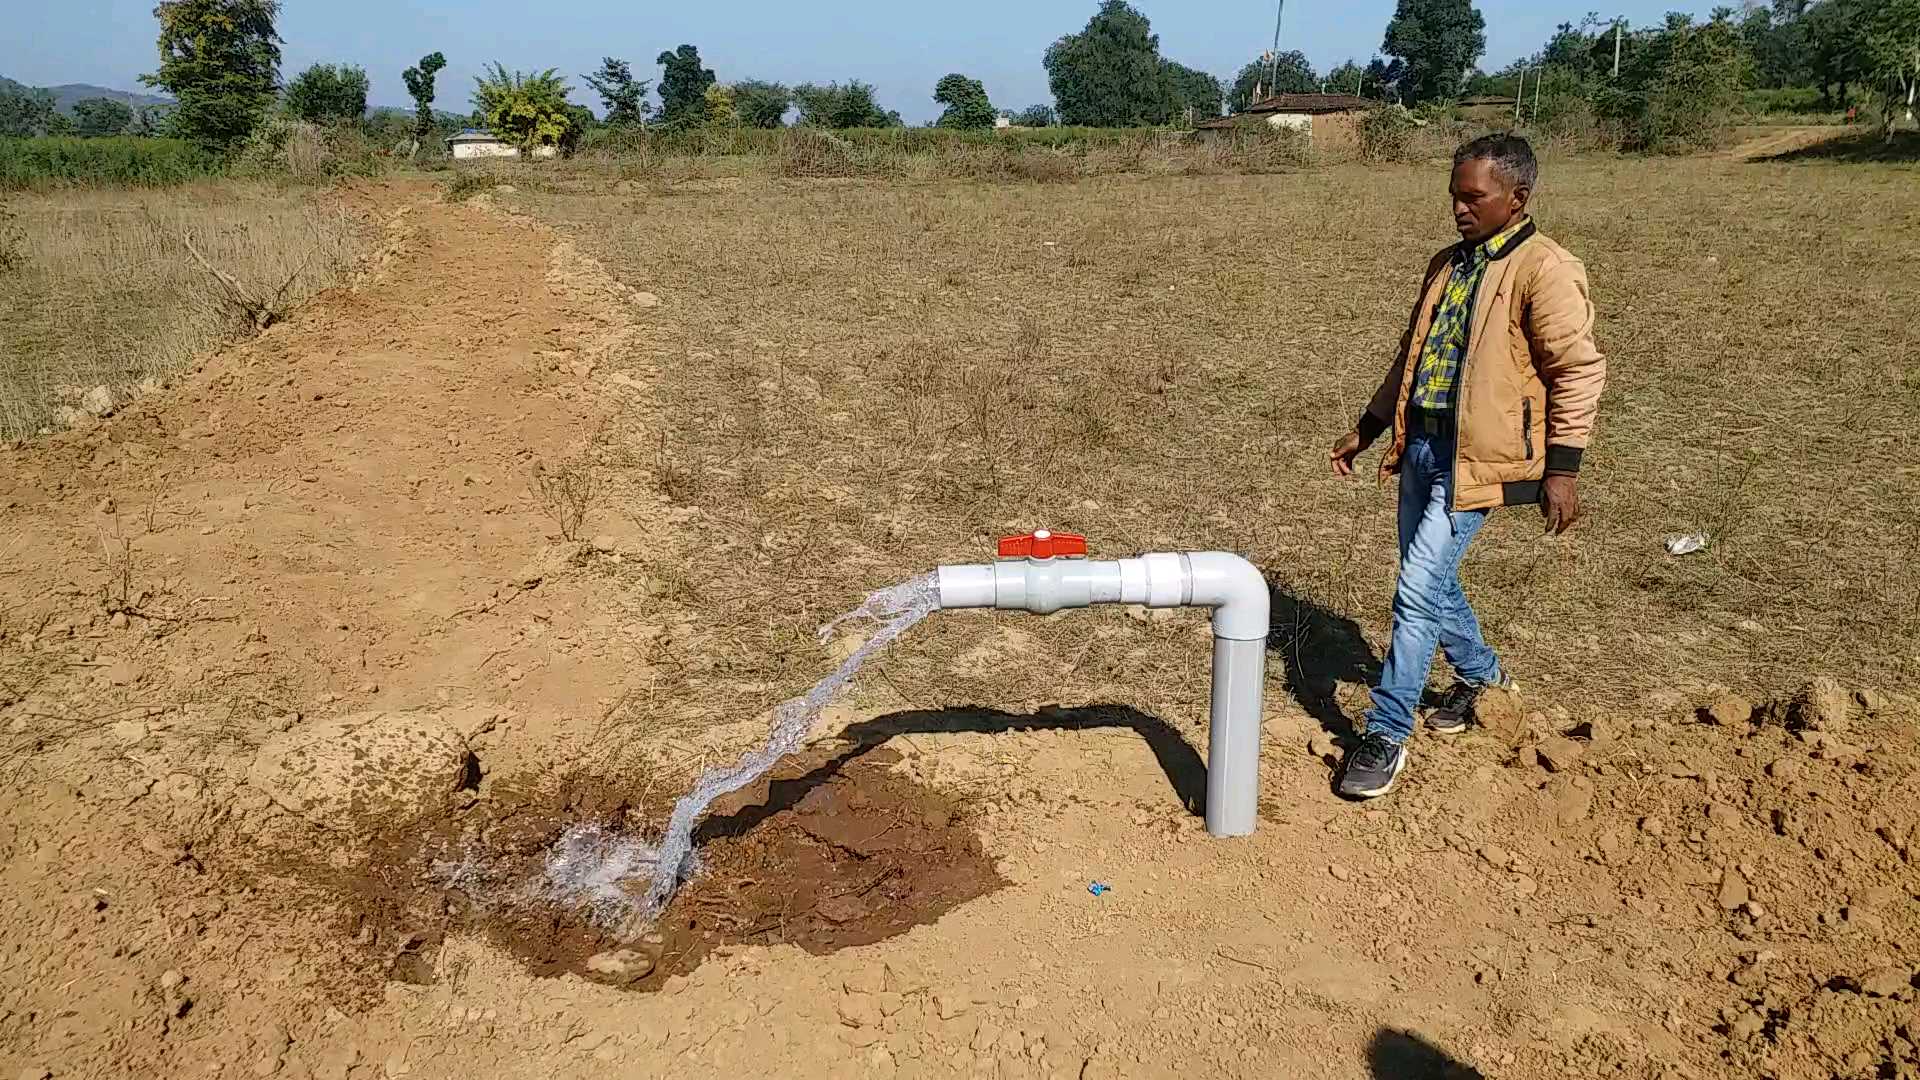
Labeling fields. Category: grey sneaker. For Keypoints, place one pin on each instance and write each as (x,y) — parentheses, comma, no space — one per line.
(1455,713)
(1372,768)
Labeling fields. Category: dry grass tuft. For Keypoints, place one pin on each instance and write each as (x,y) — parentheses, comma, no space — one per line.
(105,288)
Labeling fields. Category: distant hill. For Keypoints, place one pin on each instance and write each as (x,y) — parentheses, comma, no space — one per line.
(65,95)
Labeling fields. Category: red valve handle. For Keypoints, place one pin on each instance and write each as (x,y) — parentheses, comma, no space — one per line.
(1043,545)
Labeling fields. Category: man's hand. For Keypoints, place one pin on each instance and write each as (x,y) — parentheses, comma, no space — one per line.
(1344,452)
(1560,503)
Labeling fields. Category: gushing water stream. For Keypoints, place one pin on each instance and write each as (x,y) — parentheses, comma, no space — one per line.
(591,867)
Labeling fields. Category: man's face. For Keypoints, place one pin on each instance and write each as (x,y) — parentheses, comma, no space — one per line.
(1483,201)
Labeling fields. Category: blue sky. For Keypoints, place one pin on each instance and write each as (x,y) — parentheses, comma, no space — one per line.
(903,48)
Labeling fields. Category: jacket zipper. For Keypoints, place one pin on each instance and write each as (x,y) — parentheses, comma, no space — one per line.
(1526,424)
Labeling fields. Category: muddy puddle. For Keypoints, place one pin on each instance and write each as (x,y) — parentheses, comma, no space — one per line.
(831,850)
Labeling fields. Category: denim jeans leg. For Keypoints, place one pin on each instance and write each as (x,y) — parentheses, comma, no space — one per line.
(1428,553)
(1460,638)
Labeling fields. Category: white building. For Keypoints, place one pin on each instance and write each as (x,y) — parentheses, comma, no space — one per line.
(474,143)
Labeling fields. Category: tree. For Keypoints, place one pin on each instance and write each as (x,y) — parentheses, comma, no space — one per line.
(1386,77)
(1679,87)
(967,106)
(526,110)
(721,112)
(1192,89)
(328,94)
(621,94)
(1889,50)
(683,87)
(1036,116)
(761,104)
(1110,74)
(1259,80)
(419,82)
(95,117)
(220,59)
(1349,78)
(24,111)
(1438,40)
(840,106)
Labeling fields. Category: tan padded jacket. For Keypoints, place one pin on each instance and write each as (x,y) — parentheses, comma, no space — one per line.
(1530,384)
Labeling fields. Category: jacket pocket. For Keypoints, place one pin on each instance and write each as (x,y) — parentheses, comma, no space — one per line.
(1526,425)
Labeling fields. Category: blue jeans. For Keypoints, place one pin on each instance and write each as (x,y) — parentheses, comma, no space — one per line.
(1429,607)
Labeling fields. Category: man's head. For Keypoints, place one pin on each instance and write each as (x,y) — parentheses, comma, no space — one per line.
(1493,177)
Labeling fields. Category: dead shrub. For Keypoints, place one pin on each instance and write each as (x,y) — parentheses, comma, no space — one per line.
(809,153)
(567,493)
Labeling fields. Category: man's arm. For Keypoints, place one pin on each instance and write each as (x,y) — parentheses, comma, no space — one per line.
(1559,325)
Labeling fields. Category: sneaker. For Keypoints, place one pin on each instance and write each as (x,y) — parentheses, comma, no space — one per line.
(1372,768)
(1456,709)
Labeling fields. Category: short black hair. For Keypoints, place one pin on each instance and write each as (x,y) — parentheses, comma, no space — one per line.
(1510,154)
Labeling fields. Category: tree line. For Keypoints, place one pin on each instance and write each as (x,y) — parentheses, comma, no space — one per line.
(220,61)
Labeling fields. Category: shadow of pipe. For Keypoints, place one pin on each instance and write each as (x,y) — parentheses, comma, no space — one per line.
(1186,771)
(1402,1055)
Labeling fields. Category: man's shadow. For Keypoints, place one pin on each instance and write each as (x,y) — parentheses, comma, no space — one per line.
(1402,1055)
(1319,649)
(1186,771)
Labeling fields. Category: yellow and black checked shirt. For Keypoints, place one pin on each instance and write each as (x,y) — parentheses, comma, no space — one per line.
(1437,374)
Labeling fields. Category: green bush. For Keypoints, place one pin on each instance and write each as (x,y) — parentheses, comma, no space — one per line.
(125,160)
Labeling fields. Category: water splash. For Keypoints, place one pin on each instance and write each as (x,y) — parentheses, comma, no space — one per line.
(591,868)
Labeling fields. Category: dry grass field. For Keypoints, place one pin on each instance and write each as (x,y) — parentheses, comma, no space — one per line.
(99,288)
(865,380)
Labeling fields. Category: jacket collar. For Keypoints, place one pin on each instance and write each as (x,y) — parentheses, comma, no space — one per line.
(1501,245)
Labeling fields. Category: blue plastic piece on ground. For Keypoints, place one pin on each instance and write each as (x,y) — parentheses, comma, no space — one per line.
(1099,888)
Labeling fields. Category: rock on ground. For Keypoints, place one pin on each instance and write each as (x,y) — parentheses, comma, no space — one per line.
(358,772)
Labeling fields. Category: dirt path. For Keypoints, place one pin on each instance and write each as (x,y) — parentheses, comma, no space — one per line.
(280,641)
(1782,141)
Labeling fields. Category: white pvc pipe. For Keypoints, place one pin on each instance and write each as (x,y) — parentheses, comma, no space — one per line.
(1228,584)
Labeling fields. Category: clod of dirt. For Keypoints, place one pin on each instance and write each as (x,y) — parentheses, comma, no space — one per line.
(1734,891)
(1560,754)
(1322,745)
(1500,713)
(1729,710)
(1821,705)
(360,772)
(1886,982)
(619,967)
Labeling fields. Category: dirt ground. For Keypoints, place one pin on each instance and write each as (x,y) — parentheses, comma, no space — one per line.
(306,661)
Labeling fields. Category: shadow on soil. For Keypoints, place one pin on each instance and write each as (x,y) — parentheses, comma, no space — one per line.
(1865,148)
(1186,770)
(1320,649)
(1402,1055)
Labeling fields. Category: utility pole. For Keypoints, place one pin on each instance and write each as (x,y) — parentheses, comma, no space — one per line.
(1519,95)
(1616,48)
(1279,12)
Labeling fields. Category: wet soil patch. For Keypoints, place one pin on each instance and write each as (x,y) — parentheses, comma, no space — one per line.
(831,850)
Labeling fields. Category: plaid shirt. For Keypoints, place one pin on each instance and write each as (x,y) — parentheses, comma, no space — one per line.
(1437,374)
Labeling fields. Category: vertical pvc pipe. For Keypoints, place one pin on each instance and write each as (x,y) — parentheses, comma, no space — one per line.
(1233,743)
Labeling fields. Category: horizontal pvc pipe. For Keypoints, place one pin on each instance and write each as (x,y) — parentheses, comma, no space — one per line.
(1228,584)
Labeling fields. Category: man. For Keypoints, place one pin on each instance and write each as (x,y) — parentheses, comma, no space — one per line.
(1491,400)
